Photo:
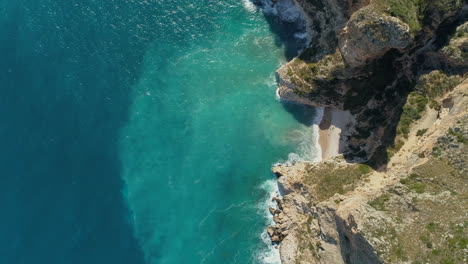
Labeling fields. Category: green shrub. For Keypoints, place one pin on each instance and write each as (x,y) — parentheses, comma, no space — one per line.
(395,147)
(433,104)
(410,11)
(426,239)
(313,67)
(415,105)
(414,184)
(379,202)
(413,12)
(421,132)
(418,187)
(432,226)
(329,179)
(459,136)
(436,83)
(363,168)
(436,151)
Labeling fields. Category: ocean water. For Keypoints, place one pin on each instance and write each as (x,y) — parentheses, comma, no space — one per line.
(142,131)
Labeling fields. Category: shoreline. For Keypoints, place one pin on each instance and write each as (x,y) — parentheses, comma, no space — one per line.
(272,254)
(333,129)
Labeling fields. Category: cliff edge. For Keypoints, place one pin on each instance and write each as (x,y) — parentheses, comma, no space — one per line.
(395,191)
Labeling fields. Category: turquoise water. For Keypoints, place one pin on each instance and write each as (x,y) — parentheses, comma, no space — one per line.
(140,131)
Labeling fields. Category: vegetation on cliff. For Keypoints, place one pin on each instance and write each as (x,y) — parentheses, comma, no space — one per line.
(427,208)
(416,13)
(373,75)
(329,179)
(393,71)
(457,49)
(429,88)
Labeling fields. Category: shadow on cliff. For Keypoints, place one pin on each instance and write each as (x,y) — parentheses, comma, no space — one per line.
(303,114)
(354,246)
(390,138)
(285,32)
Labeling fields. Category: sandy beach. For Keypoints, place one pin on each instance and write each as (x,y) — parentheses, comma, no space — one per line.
(332,131)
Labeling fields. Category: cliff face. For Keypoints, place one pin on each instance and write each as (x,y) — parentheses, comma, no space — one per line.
(369,34)
(369,64)
(414,212)
(398,67)
(324,20)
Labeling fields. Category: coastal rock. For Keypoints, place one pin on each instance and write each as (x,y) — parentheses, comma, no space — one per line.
(369,34)
(275,239)
(271,231)
(364,58)
(324,19)
(457,49)
(280,215)
(276,219)
(272,210)
(277,172)
(360,225)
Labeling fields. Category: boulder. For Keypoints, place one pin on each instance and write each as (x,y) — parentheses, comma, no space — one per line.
(369,34)
(275,239)
(271,231)
(280,215)
(272,211)
(276,219)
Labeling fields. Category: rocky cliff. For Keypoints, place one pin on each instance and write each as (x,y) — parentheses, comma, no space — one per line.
(398,193)
(413,212)
(369,64)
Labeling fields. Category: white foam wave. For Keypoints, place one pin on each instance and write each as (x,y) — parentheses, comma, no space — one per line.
(249,6)
(317,119)
(308,148)
(270,255)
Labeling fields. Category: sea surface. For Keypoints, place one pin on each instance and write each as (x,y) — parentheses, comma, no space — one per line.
(143,131)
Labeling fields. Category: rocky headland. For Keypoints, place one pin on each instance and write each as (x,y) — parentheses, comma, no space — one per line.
(391,76)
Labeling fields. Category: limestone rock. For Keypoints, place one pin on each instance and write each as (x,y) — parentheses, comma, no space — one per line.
(271,231)
(369,34)
(276,219)
(272,210)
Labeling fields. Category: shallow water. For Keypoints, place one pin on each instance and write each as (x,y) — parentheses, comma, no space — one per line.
(141,131)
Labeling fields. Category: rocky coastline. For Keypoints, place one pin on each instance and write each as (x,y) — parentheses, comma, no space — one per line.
(394,87)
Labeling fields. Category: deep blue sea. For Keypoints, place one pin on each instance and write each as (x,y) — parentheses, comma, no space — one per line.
(141,131)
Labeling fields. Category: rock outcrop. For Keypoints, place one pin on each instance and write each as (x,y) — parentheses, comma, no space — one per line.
(367,62)
(369,34)
(386,62)
(337,212)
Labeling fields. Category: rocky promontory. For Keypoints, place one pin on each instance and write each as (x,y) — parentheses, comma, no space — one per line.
(396,191)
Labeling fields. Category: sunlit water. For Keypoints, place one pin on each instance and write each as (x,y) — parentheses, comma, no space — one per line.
(142,131)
